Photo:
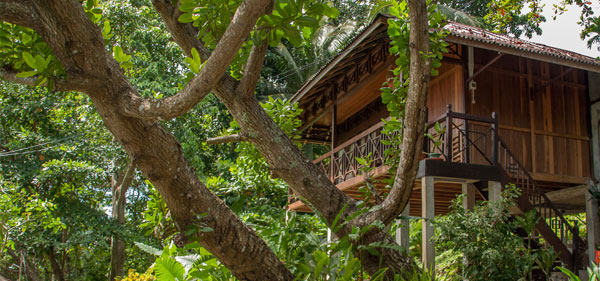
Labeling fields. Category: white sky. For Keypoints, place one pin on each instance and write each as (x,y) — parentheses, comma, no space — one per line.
(564,32)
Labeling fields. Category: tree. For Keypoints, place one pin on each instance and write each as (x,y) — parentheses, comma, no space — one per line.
(223,41)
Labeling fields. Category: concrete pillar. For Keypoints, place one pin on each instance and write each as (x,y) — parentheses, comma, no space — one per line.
(427,212)
(468,189)
(494,191)
(403,233)
(593,227)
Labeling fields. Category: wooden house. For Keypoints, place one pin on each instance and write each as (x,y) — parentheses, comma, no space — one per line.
(511,112)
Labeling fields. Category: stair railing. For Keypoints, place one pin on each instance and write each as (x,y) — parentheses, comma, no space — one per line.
(523,180)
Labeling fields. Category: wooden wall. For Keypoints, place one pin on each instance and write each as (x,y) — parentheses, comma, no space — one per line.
(444,89)
(545,125)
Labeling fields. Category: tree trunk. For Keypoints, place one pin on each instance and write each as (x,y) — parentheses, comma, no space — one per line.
(119,189)
(57,272)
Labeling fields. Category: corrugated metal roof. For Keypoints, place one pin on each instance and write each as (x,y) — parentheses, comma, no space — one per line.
(481,35)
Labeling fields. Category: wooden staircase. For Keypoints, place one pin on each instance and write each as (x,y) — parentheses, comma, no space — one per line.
(463,143)
(552,225)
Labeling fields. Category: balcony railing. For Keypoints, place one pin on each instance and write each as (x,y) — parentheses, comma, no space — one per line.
(341,164)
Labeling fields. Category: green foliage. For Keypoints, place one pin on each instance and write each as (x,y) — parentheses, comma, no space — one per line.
(25,51)
(292,20)
(394,91)
(483,241)
(593,273)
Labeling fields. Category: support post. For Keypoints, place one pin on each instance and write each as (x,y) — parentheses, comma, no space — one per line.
(403,233)
(449,133)
(428,213)
(494,139)
(332,156)
(468,189)
(593,226)
(494,191)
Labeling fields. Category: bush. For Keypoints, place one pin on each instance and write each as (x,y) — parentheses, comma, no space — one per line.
(481,244)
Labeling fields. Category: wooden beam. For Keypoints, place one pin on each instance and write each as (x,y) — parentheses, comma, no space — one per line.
(437,168)
(593,226)
(567,194)
(559,178)
(479,71)
(530,91)
(468,190)
(428,213)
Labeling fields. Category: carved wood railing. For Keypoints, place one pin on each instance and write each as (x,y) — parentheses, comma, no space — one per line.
(344,164)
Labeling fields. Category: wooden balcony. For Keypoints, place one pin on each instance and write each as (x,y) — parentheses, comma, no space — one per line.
(464,158)
(471,153)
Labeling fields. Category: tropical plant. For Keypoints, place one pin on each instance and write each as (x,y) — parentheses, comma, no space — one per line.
(485,238)
(593,273)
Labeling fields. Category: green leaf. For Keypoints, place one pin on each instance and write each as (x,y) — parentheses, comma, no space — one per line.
(40,63)
(26,74)
(148,249)
(166,268)
(29,59)
(186,17)
(307,21)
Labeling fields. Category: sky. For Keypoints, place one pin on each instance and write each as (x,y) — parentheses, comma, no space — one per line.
(564,32)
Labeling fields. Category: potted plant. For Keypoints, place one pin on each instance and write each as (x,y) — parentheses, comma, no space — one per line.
(437,142)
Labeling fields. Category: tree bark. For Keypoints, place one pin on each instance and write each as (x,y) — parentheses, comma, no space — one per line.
(414,120)
(120,184)
(57,272)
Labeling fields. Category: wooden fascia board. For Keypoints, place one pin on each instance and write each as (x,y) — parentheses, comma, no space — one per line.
(522,53)
(332,65)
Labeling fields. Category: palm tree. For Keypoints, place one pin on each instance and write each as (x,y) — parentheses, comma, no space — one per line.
(292,66)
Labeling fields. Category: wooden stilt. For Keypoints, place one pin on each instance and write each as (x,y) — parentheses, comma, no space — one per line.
(403,233)
(428,213)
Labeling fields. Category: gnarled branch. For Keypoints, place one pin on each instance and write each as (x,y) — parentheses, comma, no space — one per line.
(21,12)
(219,60)
(72,83)
(414,120)
(252,69)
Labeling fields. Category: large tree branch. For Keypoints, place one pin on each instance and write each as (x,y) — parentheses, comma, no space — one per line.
(252,69)
(219,60)
(72,83)
(19,12)
(414,120)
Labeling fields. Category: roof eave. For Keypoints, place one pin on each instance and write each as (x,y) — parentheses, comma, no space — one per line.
(522,53)
(377,22)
